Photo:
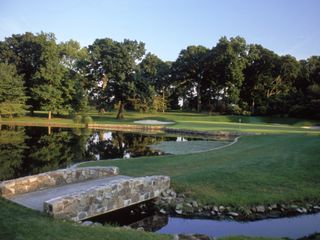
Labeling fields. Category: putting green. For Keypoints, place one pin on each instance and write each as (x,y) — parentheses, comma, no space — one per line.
(188,147)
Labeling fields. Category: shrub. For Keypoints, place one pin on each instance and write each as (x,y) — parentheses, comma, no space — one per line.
(87,119)
(233,109)
(246,113)
(77,119)
(261,110)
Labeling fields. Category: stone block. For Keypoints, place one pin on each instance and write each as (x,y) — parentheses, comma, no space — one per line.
(22,185)
(103,199)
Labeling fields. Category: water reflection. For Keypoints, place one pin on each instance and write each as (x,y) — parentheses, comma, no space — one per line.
(32,150)
(142,215)
(290,227)
(147,216)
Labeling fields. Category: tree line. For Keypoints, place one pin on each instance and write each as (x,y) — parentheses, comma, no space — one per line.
(232,77)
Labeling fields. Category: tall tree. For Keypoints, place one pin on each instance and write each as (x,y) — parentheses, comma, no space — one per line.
(113,66)
(12,96)
(47,88)
(37,58)
(307,98)
(224,68)
(188,72)
(156,73)
(74,82)
(262,78)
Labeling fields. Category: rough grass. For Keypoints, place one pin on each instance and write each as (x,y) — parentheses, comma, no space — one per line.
(256,170)
(17,223)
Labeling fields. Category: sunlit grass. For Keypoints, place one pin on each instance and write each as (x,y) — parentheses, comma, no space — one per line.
(258,169)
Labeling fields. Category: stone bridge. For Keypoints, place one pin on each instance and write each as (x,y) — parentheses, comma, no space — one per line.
(82,193)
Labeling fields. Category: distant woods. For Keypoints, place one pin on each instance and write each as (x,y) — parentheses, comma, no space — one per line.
(233,77)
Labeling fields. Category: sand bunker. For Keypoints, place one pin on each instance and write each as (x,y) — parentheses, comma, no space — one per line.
(153,122)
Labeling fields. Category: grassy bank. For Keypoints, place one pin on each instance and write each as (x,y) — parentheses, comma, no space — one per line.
(257,169)
(190,121)
(17,222)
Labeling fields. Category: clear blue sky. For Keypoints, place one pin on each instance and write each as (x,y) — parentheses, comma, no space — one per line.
(167,26)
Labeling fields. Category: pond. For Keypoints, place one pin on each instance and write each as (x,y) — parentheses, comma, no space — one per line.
(31,150)
(147,217)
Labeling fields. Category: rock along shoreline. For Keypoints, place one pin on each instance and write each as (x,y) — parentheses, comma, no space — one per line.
(179,205)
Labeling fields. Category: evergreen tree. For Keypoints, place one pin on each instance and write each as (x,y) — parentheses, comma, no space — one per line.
(12,96)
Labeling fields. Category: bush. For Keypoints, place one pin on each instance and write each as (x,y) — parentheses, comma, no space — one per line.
(77,119)
(246,113)
(233,109)
(87,119)
(262,110)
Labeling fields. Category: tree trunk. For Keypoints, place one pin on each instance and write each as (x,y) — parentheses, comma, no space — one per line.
(120,111)
(252,107)
(199,103)
(163,101)
(105,81)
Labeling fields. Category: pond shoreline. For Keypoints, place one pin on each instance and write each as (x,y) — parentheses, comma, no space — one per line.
(178,205)
(128,127)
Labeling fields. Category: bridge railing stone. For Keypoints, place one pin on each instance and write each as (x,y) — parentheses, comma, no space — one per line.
(33,183)
(106,197)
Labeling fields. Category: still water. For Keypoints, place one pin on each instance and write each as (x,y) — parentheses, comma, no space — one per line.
(146,216)
(31,150)
(290,227)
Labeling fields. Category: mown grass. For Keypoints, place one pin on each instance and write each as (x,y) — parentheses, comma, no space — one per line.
(190,121)
(20,223)
(188,147)
(256,170)
(17,223)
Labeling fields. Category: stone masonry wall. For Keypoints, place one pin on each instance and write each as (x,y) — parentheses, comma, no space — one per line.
(32,183)
(105,198)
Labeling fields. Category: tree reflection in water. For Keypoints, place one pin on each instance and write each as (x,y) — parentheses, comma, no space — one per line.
(32,150)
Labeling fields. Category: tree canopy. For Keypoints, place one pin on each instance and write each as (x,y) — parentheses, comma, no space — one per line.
(232,77)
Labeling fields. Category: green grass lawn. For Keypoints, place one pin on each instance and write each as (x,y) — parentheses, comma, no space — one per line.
(17,223)
(204,122)
(20,223)
(256,170)
(191,121)
(188,146)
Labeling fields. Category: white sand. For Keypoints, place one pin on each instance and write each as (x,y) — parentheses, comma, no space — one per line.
(153,122)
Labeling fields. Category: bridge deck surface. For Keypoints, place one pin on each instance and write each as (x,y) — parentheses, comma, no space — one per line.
(36,199)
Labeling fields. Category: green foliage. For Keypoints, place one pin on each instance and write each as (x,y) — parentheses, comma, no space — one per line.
(12,147)
(188,73)
(65,77)
(159,103)
(82,119)
(87,119)
(233,109)
(12,95)
(51,72)
(112,69)
(77,119)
